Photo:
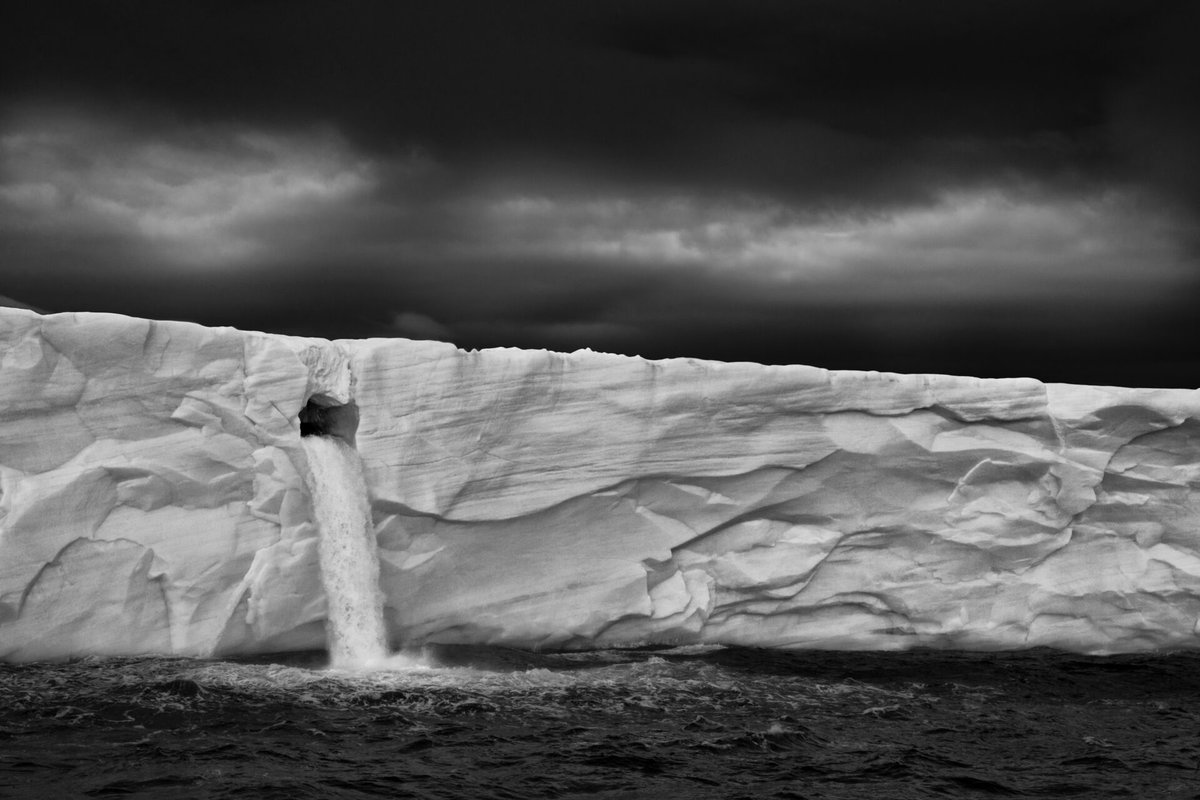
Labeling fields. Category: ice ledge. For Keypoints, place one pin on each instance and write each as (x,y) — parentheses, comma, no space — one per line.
(152,498)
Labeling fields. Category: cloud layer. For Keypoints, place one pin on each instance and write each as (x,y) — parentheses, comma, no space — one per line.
(988,187)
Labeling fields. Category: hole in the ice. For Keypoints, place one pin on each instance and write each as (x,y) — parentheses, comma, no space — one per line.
(322,416)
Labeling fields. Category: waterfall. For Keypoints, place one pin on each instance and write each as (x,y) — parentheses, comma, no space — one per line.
(355,629)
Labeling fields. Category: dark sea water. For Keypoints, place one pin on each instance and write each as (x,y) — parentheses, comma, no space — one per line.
(656,723)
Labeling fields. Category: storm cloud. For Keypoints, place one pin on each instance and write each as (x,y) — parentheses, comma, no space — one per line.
(989,188)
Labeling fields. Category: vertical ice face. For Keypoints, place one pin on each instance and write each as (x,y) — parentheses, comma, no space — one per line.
(349,562)
(158,479)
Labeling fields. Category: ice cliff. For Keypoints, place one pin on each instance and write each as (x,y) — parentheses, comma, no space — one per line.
(152,498)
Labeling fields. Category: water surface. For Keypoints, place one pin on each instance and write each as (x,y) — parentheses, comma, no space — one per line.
(659,723)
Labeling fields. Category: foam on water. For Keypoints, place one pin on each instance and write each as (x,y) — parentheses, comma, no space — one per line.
(357,636)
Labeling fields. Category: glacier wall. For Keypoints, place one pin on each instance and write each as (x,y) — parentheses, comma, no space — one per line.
(153,498)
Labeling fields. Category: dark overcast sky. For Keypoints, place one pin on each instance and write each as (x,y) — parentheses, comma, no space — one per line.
(989,188)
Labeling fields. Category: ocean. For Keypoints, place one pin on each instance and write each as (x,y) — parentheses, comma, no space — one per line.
(685,722)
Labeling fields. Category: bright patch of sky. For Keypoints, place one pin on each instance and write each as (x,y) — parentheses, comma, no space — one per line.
(199,196)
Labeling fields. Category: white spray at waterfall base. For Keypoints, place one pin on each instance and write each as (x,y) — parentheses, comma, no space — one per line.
(355,631)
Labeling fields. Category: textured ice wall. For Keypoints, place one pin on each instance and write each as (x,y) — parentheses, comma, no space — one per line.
(153,500)
(150,493)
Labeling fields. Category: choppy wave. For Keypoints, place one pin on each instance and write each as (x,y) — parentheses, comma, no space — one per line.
(686,722)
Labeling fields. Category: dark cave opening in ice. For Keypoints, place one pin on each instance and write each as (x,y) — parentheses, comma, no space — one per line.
(322,416)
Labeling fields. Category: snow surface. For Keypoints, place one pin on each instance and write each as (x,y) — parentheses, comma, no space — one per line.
(153,499)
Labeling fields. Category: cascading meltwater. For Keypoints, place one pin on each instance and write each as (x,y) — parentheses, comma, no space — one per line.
(355,630)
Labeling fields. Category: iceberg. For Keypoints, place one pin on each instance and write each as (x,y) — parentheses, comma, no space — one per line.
(154,498)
